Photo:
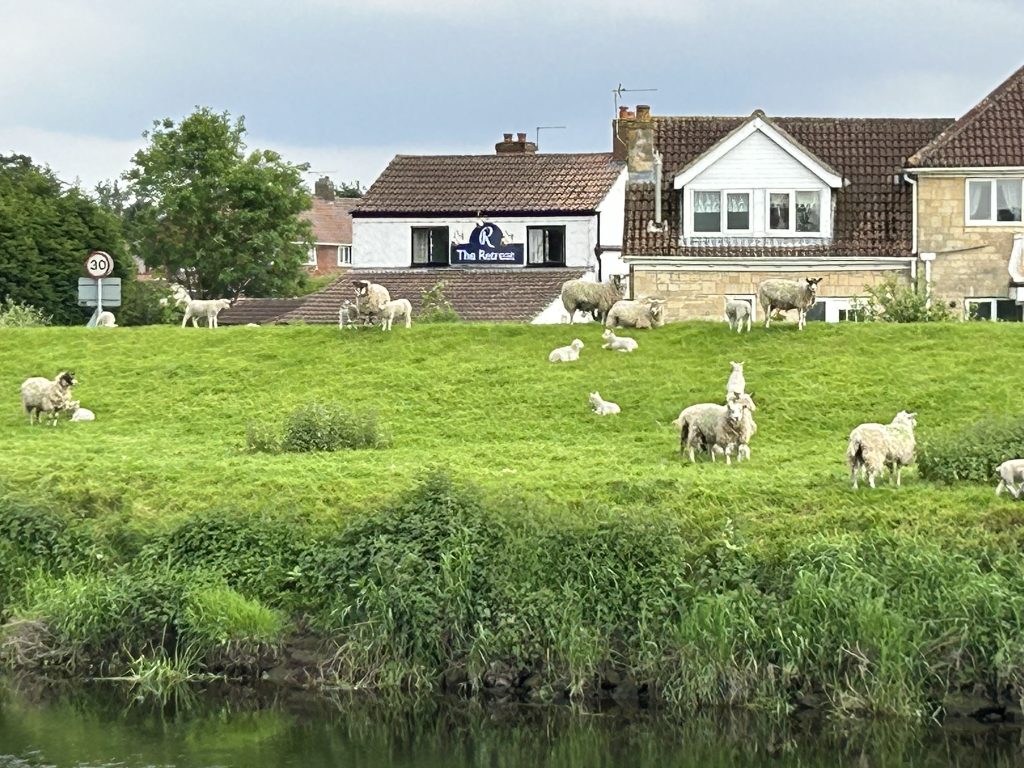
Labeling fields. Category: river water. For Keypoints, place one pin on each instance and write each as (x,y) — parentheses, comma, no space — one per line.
(41,725)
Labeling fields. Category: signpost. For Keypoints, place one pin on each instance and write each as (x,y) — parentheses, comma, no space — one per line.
(98,265)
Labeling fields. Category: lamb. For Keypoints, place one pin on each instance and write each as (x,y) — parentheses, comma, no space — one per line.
(40,395)
(566,354)
(710,426)
(179,295)
(618,343)
(106,320)
(603,407)
(370,297)
(873,447)
(738,312)
(641,313)
(1011,477)
(348,315)
(596,298)
(737,384)
(208,308)
(400,308)
(83,414)
(786,295)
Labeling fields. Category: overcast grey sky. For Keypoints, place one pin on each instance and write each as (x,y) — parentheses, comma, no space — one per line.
(345,85)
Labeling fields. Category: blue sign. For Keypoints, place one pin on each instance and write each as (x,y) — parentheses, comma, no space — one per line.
(488,247)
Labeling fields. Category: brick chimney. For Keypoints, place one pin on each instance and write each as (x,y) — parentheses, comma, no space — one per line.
(324,188)
(633,141)
(518,147)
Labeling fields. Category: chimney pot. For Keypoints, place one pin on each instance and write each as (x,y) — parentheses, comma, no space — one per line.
(643,112)
(623,112)
(521,137)
(507,136)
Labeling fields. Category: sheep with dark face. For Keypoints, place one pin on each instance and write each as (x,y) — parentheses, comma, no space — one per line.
(788,294)
(40,395)
(370,299)
(596,298)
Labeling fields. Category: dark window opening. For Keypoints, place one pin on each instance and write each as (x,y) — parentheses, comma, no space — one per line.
(430,246)
(545,246)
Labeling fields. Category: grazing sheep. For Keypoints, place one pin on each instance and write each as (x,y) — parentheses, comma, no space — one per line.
(40,395)
(596,298)
(641,313)
(712,427)
(370,297)
(106,320)
(873,447)
(738,312)
(1011,477)
(603,407)
(618,343)
(737,384)
(566,354)
(786,295)
(400,308)
(208,308)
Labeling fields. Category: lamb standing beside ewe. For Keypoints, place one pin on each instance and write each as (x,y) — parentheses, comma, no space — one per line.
(618,343)
(566,354)
(208,308)
(640,313)
(603,407)
(786,295)
(1011,477)
(40,395)
(738,312)
(596,298)
(400,308)
(710,426)
(873,447)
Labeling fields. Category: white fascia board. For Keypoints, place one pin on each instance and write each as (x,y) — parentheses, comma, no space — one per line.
(768,263)
(976,171)
(730,142)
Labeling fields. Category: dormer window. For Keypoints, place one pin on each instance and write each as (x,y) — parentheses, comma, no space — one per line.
(712,217)
(794,211)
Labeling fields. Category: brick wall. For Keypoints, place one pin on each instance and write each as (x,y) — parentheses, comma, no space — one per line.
(326,261)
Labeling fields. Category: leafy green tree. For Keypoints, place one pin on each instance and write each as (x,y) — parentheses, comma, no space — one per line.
(218,220)
(46,231)
(349,189)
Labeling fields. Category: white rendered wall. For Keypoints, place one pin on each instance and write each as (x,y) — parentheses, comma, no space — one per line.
(613,212)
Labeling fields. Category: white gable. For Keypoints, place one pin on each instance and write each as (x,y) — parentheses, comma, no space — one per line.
(756,161)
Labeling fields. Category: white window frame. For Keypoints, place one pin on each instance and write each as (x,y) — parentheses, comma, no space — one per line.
(789,231)
(750,298)
(993,212)
(835,304)
(723,211)
(990,300)
(692,210)
(311,260)
(345,262)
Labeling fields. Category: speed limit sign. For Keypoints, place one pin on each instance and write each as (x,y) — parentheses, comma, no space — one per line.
(98,264)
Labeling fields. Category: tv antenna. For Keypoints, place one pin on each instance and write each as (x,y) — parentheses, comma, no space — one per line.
(539,128)
(619,90)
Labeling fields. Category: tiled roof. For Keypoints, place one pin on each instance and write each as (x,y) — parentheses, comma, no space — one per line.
(332,219)
(489,184)
(476,294)
(873,212)
(259,311)
(990,135)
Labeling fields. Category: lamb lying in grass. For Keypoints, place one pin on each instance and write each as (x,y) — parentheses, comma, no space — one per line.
(603,407)
(40,395)
(1011,477)
(566,354)
(618,343)
(873,447)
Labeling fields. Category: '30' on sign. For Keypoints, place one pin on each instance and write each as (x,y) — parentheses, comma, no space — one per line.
(99,264)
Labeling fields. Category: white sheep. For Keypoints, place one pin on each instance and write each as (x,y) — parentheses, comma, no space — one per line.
(106,320)
(566,354)
(370,297)
(208,308)
(40,395)
(618,343)
(786,295)
(1011,477)
(873,447)
(603,407)
(738,312)
(400,308)
(746,429)
(737,384)
(83,414)
(711,427)
(586,296)
(640,313)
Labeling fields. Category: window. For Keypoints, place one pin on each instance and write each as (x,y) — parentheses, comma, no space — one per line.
(737,214)
(311,257)
(1003,310)
(545,246)
(778,211)
(344,255)
(749,298)
(990,201)
(707,211)
(836,310)
(808,212)
(430,246)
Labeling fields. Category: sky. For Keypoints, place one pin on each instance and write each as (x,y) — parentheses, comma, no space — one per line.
(345,85)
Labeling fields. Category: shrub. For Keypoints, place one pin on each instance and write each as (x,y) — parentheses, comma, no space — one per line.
(140,304)
(261,437)
(891,302)
(20,315)
(973,453)
(435,307)
(320,426)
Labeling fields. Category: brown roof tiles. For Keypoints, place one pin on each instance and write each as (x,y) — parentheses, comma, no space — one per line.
(331,219)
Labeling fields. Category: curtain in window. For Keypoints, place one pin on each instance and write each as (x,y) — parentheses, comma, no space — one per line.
(808,212)
(980,194)
(737,210)
(778,210)
(707,211)
(1008,199)
(420,246)
(535,246)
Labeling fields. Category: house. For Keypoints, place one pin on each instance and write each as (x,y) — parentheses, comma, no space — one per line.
(716,205)
(331,217)
(968,182)
(503,231)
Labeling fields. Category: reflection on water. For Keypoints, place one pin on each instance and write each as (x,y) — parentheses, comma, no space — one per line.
(48,726)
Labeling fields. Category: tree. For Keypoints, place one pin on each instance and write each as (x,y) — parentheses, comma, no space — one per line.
(218,220)
(46,231)
(349,189)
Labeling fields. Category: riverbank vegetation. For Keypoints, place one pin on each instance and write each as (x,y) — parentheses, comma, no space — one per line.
(505,539)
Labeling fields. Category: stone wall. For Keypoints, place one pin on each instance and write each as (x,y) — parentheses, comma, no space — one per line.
(969,261)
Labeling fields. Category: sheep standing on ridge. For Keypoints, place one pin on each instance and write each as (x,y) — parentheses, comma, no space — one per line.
(40,395)
(400,308)
(710,426)
(873,447)
(370,297)
(640,313)
(1011,477)
(566,354)
(786,295)
(596,298)
(738,312)
(618,343)
(208,308)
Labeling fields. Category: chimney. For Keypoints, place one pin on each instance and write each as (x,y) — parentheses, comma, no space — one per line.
(518,147)
(633,142)
(324,188)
